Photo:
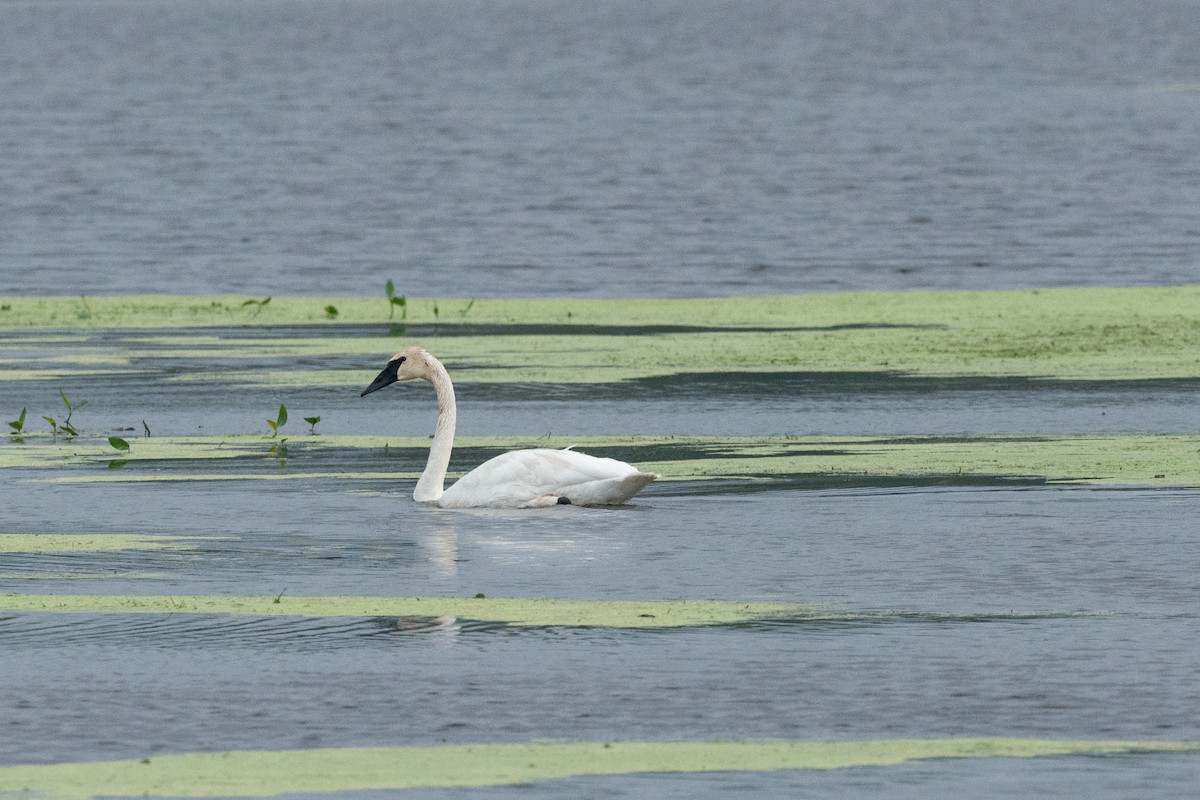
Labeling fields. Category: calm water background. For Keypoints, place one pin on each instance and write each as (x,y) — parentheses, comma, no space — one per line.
(608,149)
(614,148)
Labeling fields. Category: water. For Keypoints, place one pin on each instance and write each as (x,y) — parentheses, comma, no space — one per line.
(990,610)
(606,149)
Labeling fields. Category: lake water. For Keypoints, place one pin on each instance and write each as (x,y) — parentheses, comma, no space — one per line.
(605,149)
(995,609)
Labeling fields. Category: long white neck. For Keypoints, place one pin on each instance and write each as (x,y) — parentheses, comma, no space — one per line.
(433,479)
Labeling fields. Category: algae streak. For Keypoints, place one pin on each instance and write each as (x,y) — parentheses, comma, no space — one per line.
(1062,333)
(266,773)
(1125,460)
(534,612)
(94,543)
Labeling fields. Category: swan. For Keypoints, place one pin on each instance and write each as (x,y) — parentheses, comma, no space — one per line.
(518,479)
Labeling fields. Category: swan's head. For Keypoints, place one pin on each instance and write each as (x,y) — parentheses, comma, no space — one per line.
(407,365)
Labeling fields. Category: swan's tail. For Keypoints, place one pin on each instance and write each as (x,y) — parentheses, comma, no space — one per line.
(610,491)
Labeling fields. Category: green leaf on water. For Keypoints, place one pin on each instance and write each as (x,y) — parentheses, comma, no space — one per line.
(18,423)
(279,421)
(118,442)
(331,312)
(394,300)
(312,420)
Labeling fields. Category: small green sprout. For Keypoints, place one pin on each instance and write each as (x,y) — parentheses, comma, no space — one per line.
(395,300)
(18,424)
(331,312)
(279,421)
(65,426)
(259,305)
(118,443)
(463,311)
(312,424)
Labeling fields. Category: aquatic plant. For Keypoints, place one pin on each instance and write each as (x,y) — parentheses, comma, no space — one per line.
(312,424)
(65,427)
(395,300)
(18,424)
(119,444)
(279,420)
(259,305)
(331,312)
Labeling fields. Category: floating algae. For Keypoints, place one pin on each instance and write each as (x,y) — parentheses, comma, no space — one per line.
(250,773)
(1102,459)
(521,612)
(94,543)
(1086,334)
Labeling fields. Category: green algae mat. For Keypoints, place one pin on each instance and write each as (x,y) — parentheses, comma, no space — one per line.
(91,543)
(512,611)
(1084,334)
(762,461)
(267,773)
(519,612)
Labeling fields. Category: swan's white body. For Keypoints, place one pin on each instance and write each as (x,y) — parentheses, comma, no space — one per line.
(519,479)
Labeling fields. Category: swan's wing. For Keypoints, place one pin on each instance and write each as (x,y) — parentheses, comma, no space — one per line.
(541,476)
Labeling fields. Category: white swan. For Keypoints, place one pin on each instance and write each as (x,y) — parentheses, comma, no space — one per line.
(520,479)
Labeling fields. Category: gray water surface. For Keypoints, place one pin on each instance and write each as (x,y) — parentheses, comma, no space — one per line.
(602,149)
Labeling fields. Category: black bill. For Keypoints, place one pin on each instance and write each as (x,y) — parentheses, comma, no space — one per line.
(385,378)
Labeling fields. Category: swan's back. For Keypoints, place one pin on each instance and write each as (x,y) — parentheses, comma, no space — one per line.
(539,477)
